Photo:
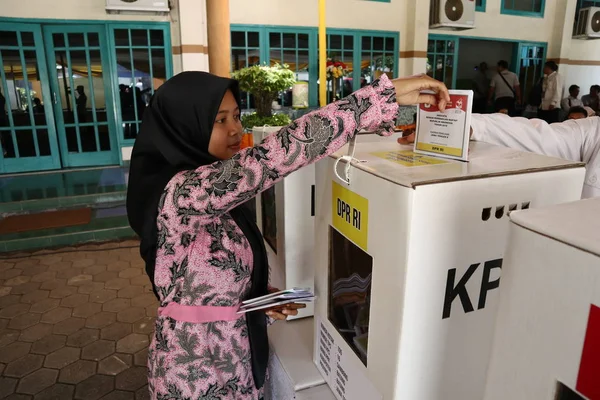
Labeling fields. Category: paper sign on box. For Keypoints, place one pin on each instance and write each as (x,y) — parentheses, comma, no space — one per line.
(445,134)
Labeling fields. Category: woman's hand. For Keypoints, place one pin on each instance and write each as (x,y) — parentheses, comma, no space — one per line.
(281,313)
(410,91)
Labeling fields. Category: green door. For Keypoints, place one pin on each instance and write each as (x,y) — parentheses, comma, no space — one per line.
(442,59)
(28,138)
(530,61)
(80,82)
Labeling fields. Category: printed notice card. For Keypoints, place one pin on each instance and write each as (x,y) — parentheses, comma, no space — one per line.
(445,134)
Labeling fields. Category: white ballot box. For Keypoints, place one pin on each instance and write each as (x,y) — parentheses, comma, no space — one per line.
(408,260)
(285,216)
(547,339)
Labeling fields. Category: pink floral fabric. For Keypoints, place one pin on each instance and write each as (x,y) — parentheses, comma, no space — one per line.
(203,257)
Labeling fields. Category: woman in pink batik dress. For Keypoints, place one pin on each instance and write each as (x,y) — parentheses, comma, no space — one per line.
(188,184)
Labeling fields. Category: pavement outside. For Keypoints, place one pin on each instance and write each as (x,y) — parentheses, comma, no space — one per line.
(75,323)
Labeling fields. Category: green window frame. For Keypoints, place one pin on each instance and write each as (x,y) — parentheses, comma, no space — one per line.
(375,51)
(480,5)
(252,45)
(295,46)
(512,7)
(444,50)
(140,54)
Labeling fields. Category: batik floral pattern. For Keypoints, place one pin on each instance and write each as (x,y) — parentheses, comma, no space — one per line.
(203,257)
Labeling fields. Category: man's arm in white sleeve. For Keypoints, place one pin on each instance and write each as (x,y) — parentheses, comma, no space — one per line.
(570,140)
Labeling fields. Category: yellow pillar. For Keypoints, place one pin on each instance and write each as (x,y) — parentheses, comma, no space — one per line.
(219,37)
(322,54)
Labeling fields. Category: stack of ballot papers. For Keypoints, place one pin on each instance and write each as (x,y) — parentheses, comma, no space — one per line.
(295,295)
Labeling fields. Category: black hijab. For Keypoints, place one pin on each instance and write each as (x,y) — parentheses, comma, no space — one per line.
(174,137)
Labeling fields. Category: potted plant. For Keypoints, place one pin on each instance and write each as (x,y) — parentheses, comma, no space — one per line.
(264,83)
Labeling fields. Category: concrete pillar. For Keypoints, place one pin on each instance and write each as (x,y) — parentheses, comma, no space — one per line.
(193,46)
(219,37)
(413,45)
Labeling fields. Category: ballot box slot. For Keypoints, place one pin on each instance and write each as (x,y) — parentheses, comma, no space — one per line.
(350,272)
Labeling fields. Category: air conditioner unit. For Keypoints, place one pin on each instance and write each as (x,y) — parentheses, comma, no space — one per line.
(587,25)
(452,14)
(157,6)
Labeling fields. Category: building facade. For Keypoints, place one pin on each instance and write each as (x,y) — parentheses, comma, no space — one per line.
(75,79)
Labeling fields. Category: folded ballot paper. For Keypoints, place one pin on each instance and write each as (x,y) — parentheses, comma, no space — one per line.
(295,295)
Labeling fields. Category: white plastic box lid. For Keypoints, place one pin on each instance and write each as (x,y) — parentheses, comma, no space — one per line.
(389,160)
(576,224)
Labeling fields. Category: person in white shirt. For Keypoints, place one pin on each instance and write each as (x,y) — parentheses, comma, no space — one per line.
(552,90)
(573,100)
(574,140)
(506,89)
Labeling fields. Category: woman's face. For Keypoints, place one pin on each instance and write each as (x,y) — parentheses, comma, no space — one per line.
(226,135)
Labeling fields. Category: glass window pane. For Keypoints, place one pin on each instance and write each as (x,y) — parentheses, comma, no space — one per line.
(88,139)
(303,41)
(440,46)
(157,37)
(378,43)
(122,37)
(431,46)
(43,142)
(6,141)
(81,85)
(253,40)
(93,39)
(126,84)
(71,134)
(104,137)
(335,42)
(59,39)
(143,81)
(348,42)
(389,44)
(76,39)
(238,59)
(8,38)
(274,39)
(450,47)
(159,71)
(289,40)
(139,37)
(25,143)
(238,39)
(26,38)
(366,43)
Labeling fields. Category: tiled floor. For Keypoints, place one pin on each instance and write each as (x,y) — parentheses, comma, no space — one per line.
(75,324)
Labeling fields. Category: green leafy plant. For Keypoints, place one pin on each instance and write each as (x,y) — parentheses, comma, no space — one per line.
(249,121)
(264,83)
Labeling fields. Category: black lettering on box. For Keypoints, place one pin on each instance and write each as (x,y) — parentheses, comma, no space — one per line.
(459,290)
(486,285)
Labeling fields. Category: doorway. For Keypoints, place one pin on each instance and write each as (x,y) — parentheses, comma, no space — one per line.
(453,60)
(53,100)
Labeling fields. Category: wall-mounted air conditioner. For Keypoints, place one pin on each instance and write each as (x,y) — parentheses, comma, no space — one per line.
(587,25)
(452,14)
(158,6)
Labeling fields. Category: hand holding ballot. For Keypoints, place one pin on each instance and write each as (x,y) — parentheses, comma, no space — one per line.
(279,304)
(421,89)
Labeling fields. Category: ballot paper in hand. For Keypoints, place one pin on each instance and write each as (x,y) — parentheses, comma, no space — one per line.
(295,295)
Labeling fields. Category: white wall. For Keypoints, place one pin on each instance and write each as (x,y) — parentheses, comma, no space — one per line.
(67,9)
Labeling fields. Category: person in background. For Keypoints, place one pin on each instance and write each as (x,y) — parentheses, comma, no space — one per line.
(592,100)
(552,90)
(481,86)
(573,100)
(506,89)
(38,107)
(81,103)
(577,112)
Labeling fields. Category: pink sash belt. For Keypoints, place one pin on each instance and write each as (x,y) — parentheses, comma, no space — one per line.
(199,314)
